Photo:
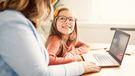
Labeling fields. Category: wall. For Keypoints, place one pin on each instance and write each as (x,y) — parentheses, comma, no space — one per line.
(82,9)
(103,11)
(96,33)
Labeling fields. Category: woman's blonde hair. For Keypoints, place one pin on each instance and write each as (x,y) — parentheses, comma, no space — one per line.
(32,9)
(53,31)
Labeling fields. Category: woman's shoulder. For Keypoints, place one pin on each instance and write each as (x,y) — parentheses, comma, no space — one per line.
(11,15)
(16,19)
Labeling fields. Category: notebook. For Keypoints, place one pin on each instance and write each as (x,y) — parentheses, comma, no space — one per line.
(117,50)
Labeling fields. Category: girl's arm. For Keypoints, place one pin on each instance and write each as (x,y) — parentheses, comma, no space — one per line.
(78,49)
(53,48)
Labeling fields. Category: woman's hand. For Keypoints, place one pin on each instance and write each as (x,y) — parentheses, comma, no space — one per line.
(90,67)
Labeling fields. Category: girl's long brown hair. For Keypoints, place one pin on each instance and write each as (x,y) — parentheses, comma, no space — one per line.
(53,31)
(32,9)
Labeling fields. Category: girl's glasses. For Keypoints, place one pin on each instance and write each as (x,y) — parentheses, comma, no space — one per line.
(64,19)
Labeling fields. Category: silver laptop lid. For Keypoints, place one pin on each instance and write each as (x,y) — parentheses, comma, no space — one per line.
(119,45)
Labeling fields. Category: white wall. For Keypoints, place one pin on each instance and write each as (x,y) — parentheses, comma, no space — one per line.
(104,11)
(82,9)
(96,33)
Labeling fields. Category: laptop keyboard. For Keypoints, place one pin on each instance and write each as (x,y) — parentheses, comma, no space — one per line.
(104,59)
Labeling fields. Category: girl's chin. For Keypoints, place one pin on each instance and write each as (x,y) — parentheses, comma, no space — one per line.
(66,33)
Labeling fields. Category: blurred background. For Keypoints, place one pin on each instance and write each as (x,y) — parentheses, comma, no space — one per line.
(97,19)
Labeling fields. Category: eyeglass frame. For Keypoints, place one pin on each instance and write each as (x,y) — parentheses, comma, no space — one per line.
(66,18)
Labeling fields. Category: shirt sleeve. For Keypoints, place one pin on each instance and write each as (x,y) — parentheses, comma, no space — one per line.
(20,48)
(71,69)
(79,48)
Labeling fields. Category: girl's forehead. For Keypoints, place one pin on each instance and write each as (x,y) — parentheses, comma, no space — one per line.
(66,13)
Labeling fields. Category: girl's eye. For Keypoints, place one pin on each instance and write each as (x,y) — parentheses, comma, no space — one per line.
(71,19)
(62,18)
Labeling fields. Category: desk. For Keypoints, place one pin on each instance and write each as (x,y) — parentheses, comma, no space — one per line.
(127,67)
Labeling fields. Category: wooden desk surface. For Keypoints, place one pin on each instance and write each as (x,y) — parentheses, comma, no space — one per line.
(127,67)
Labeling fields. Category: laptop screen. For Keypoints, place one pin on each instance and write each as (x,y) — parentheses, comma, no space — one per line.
(119,45)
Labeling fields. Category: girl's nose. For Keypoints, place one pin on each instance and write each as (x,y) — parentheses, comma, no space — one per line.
(67,21)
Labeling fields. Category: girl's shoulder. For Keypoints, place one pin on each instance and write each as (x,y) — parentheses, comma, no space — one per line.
(54,38)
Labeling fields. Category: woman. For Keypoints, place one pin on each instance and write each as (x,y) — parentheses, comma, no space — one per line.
(62,44)
(21,51)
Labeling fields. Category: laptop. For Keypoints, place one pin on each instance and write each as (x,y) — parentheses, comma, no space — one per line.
(115,55)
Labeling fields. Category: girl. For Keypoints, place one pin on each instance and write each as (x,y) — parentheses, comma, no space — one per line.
(62,44)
